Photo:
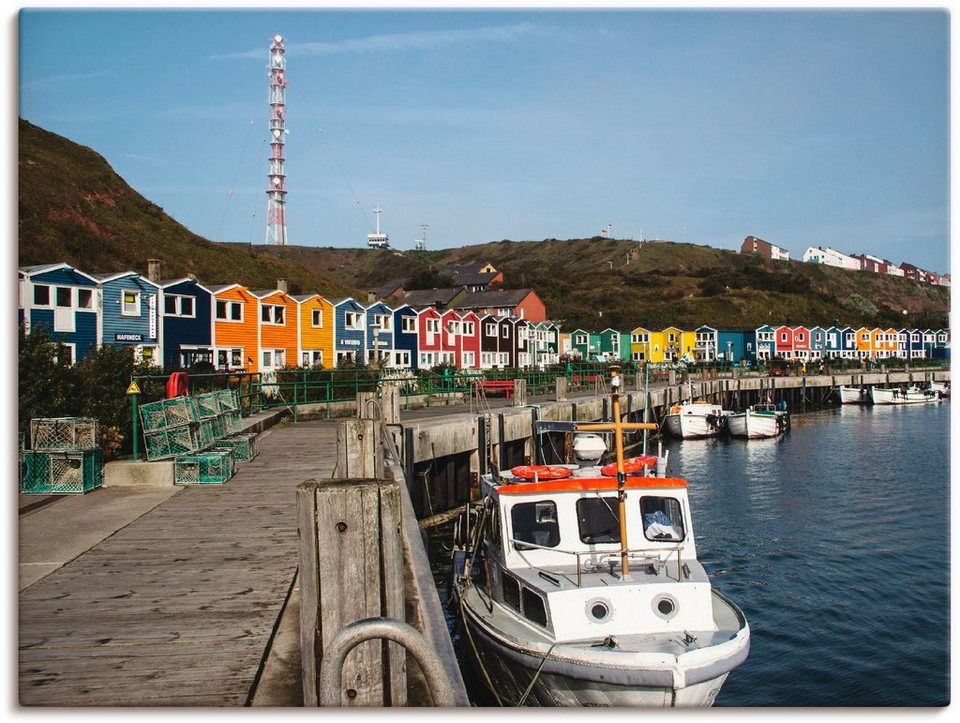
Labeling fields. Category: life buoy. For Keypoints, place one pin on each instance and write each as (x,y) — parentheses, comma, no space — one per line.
(634,465)
(675,409)
(540,472)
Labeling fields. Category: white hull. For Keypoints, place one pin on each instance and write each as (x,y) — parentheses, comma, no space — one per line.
(568,678)
(691,423)
(896,396)
(853,395)
(755,425)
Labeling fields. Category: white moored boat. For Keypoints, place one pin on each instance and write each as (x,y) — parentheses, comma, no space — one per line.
(911,395)
(580,586)
(695,420)
(759,422)
(943,388)
(853,395)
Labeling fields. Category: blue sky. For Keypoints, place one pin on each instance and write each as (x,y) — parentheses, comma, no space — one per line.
(801,127)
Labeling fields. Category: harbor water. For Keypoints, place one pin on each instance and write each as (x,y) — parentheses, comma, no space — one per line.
(834,540)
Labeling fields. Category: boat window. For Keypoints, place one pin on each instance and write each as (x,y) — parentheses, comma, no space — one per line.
(662,520)
(533,608)
(511,592)
(599,520)
(535,522)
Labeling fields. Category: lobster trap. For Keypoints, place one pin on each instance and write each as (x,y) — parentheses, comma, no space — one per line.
(203,468)
(61,472)
(63,433)
(244,446)
(228,400)
(207,405)
(171,442)
(167,413)
(210,430)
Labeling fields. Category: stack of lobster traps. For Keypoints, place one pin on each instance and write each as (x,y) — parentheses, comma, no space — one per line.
(63,457)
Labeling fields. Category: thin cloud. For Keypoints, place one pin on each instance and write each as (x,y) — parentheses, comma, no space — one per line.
(58,80)
(402,41)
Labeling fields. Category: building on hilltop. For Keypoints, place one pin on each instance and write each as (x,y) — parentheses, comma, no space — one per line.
(475,277)
(830,257)
(754,245)
(440,298)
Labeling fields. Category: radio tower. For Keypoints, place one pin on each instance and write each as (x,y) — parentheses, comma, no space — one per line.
(276,178)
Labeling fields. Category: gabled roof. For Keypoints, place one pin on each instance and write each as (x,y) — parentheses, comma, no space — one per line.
(501,298)
(44,268)
(112,276)
(300,298)
(388,287)
(264,293)
(431,297)
(469,274)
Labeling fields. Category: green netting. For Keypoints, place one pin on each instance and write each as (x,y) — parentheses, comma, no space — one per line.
(207,405)
(167,413)
(63,433)
(244,446)
(210,430)
(203,468)
(232,421)
(166,443)
(228,450)
(228,400)
(59,473)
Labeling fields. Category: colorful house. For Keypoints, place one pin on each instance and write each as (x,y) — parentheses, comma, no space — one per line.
(379,345)
(64,300)
(818,340)
(678,344)
(469,341)
(537,343)
(705,345)
(186,323)
(735,345)
(429,342)
(884,342)
(625,350)
(520,303)
(801,343)
(640,345)
(783,339)
(494,353)
(521,346)
(609,345)
(349,331)
(580,343)
(942,348)
(451,342)
(315,331)
(832,343)
(766,342)
(129,313)
(864,338)
(279,330)
(236,328)
(405,337)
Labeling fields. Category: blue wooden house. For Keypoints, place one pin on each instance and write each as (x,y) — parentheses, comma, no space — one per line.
(735,345)
(64,300)
(817,342)
(349,331)
(705,345)
(129,313)
(913,339)
(405,337)
(379,343)
(186,323)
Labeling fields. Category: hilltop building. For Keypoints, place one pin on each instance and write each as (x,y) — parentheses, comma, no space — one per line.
(831,257)
(754,245)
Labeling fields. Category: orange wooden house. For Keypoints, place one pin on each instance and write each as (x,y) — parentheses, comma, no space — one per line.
(236,328)
(315,318)
(279,332)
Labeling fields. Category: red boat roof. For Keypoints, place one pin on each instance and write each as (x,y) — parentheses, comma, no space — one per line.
(589,484)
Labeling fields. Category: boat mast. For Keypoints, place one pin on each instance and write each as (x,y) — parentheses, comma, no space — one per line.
(618,428)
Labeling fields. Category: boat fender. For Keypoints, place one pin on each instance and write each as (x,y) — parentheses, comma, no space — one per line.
(634,466)
(540,472)
(675,409)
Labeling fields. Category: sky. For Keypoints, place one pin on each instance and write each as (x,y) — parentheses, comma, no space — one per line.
(802,127)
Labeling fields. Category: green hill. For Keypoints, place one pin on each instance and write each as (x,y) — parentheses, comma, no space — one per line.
(73,207)
(593,283)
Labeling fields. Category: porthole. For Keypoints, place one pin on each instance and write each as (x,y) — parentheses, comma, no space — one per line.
(665,606)
(599,610)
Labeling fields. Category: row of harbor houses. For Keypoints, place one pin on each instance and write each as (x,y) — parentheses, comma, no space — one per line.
(179,323)
(792,343)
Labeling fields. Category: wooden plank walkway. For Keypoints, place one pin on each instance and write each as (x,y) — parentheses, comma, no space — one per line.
(177,608)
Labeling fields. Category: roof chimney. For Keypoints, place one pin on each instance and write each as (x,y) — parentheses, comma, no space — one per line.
(282,285)
(153,270)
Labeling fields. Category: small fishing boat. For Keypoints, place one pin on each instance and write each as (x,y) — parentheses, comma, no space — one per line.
(579,584)
(759,422)
(853,395)
(695,420)
(910,395)
(942,388)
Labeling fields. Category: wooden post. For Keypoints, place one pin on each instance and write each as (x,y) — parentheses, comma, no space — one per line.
(390,403)
(519,392)
(351,568)
(358,449)
(560,389)
(366,401)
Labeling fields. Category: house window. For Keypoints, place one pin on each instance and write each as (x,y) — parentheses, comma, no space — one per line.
(408,324)
(174,305)
(468,328)
(267,358)
(453,327)
(401,358)
(129,303)
(84,299)
(64,297)
(65,354)
(316,318)
(506,332)
(353,320)
(491,330)
(580,339)
(313,358)
(41,295)
(229,311)
(272,314)
(433,326)
(383,321)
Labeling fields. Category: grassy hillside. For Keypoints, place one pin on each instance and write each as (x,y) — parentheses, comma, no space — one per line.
(75,208)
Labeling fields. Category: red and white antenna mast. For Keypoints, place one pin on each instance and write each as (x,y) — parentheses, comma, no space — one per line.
(276,177)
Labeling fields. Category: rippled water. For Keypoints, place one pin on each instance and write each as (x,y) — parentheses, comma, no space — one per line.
(835,543)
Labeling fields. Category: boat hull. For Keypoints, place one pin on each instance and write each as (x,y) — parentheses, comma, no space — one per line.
(693,426)
(853,395)
(755,425)
(896,396)
(525,677)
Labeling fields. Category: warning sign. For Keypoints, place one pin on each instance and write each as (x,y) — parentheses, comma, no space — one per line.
(133,389)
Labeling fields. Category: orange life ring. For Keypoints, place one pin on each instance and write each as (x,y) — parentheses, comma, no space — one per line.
(634,465)
(540,472)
